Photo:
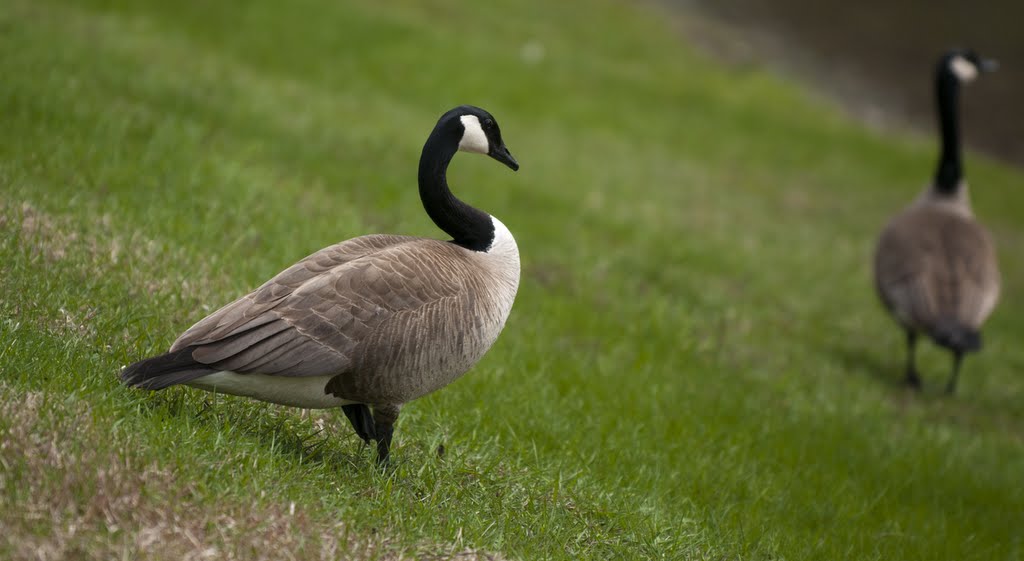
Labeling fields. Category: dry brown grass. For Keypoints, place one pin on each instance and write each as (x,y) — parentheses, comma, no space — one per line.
(57,239)
(38,231)
(54,237)
(75,498)
(71,493)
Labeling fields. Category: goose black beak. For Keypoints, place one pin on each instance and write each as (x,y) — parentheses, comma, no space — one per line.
(502,154)
(988,65)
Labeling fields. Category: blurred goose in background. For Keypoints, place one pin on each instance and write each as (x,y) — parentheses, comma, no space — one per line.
(935,265)
(375,321)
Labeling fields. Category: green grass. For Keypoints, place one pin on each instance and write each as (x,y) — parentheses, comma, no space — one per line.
(695,367)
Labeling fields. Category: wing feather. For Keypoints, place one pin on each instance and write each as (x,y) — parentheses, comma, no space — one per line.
(933,266)
(311,319)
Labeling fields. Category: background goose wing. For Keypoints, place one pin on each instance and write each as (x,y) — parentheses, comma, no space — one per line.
(932,267)
(971,285)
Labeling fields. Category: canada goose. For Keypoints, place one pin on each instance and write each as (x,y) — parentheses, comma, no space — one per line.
(375,321)
(935,266)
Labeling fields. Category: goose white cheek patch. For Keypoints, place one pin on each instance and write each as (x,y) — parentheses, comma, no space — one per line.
(474,139)
(965,71)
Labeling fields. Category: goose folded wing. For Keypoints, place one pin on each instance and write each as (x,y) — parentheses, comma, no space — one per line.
(311,318)
(250,310)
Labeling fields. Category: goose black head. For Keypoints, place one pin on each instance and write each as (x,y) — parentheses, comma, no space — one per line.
(478,132)
(964,65)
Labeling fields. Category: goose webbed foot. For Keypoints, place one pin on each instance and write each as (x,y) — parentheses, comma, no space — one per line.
(362,421)
(384,433)
(378,426)
(951,384)
(913,380)
(384,417)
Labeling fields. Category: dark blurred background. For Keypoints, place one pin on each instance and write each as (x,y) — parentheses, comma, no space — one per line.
(877,56)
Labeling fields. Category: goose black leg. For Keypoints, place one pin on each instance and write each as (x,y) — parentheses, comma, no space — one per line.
(359,415)
(913,380)
(951,385)
(384,417)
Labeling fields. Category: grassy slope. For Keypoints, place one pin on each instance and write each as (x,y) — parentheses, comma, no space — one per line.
(695,367)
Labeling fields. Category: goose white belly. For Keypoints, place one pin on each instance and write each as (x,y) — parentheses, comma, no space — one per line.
(297,391)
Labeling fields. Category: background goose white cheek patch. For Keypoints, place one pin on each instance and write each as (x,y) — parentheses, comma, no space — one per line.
(963,69)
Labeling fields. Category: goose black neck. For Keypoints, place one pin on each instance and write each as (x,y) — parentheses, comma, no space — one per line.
(469,227)
(950,168)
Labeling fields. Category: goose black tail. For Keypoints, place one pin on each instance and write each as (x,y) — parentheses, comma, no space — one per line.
(159,372)
(956,337)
